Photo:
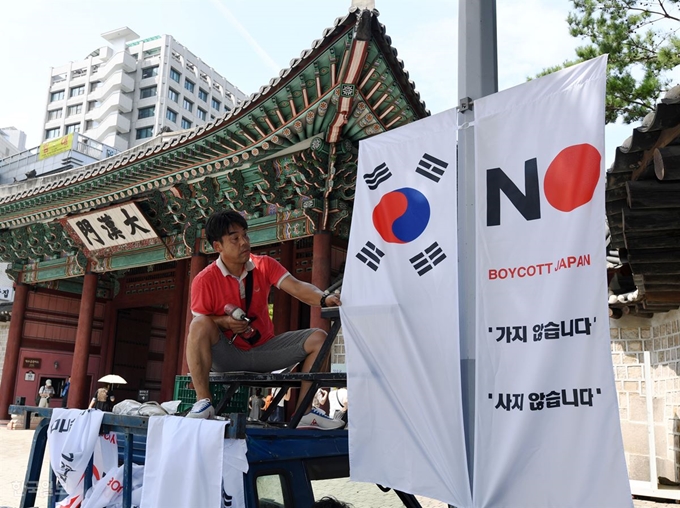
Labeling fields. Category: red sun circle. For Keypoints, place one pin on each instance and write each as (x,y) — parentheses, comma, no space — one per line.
(572,177)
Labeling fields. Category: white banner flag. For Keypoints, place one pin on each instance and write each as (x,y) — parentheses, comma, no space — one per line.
(400,315)
(547,423)
(73,435)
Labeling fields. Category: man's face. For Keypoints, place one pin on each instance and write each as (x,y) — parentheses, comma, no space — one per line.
(234,247)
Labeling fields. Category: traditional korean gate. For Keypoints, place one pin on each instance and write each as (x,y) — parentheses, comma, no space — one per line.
(131,350)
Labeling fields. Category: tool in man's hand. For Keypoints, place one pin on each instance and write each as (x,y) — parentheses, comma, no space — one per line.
(239,314)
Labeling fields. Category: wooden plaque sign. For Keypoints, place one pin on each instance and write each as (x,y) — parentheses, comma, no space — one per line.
(32,363)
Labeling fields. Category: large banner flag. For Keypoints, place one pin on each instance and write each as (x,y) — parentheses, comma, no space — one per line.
(547,428)
(400,315)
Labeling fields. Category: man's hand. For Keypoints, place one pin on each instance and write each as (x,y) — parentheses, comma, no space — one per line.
(333,300)
(229,323)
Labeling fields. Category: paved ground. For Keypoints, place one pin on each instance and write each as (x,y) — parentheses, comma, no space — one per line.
(15,448)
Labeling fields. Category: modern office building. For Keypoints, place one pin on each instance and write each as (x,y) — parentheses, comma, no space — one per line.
(12,141)
(130,90)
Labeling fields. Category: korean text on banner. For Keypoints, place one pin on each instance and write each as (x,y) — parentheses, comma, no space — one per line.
(547,427)
(55,147)
(400,315)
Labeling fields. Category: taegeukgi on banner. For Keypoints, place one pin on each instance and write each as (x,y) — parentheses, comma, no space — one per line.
(400,315)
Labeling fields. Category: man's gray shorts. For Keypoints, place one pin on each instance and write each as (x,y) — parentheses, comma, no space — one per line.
(277,353)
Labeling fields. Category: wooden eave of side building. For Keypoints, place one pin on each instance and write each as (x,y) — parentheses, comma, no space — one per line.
(643,213)
(273,158)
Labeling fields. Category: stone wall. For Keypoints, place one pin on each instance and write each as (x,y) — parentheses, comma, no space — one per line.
(338,351)
(630,339)
(4,332)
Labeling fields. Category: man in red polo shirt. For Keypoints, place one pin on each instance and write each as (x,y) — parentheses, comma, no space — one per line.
(222,343)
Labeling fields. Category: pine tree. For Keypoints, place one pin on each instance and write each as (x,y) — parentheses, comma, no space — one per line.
(640,38)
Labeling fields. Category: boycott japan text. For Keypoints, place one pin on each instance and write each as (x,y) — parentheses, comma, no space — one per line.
(540,268)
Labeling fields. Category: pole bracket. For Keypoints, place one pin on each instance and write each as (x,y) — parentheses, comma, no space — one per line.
(465,104)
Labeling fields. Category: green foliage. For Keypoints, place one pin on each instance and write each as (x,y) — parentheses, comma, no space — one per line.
(640,38)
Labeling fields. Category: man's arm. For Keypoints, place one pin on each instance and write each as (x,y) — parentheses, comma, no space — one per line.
(323,396)
(308,293)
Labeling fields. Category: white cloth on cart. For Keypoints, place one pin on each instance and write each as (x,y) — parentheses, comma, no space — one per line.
(108,492)
(235,465)
(182,468)
(72,436)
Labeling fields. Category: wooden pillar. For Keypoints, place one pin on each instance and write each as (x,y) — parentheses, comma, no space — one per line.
(282,300)
(174,332)
(78,396)
(9,370)
(108,338)
(198,262)
(321,274)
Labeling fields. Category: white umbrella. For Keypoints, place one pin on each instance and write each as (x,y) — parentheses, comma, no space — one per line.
(113,379)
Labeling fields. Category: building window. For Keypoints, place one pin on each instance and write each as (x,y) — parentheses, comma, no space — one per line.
(76,91)
(52,133)
(203,95)
(216,104)
(147,112)
(56,96)
(186,124)
(74,110)
(150,72)
(93,105)
(72,128)
(174,75)
(94,85)
(147,92)
(188,105)
(54,114)
(91,124)
(188,85)
(172,95)
(146,132)
(201,114)
(171,115)
(151,52)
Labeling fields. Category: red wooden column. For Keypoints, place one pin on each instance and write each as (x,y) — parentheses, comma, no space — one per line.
(198,262)
(174,333)
(321,274)
(78,396)
(9,369)
(108,338)
(282,300)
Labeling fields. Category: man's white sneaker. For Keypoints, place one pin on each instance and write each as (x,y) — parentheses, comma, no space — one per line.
(202,409)
(317,419)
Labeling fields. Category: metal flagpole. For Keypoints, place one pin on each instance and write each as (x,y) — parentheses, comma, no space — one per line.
(477,77)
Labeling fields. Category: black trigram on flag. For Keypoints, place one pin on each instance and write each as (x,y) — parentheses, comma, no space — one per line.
(226,499)
(380,174)
(428,259)
(370,255)
(431,167)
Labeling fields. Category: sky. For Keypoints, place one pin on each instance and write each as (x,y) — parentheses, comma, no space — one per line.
(250,41)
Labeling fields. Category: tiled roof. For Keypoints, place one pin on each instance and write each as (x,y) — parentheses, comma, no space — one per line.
(643,213)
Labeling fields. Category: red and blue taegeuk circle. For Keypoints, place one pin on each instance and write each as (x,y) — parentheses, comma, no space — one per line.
(401,215)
